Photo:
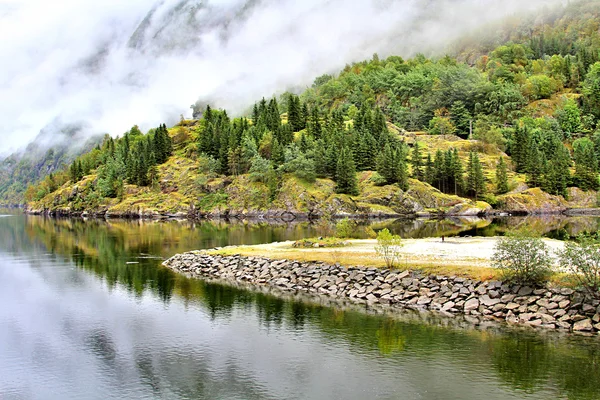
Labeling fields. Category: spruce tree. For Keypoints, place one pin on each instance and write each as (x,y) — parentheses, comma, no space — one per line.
(277,155)
(475,177)
(294,119)
(535,165)
(345,175)
(417,162)
(320,157)
(314,126)
(520,148)
(304,116)
(558,175)
(440,172)
(457,172)
(430,172)
(586,164)
(501,177)
(385,164)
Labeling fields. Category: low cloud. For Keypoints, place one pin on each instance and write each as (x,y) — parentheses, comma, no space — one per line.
(115,63)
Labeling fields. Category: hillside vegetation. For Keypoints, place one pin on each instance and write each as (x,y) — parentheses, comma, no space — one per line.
(514,126)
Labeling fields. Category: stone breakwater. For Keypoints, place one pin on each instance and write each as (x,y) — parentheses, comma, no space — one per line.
(549,308)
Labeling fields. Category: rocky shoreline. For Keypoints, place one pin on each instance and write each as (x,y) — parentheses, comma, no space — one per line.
(546,308)
(295,216)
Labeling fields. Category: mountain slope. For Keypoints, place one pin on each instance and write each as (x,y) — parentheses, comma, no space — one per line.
(534,100)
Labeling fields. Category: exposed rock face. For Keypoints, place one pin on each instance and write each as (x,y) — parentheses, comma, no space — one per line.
(533,201)
(556,308)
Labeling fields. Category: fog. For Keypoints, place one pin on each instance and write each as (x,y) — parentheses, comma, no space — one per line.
(109,65)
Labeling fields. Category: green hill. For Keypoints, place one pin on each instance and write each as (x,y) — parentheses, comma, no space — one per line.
(383,136)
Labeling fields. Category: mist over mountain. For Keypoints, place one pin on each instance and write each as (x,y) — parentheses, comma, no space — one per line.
(110,65)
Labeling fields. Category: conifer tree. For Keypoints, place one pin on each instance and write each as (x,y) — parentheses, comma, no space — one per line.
(391,165)
(520,149)
(277,155)
(320,158)
(475,177)
(417,162)
(457,172)
(345,175)
(429,170)
(501,177)
(586,164)
(314,125)
(304,116)
(331,159)
(535,165)
(439,178)
(294,118)
(557,174)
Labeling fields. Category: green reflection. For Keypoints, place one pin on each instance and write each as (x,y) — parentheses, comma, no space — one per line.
(128,253)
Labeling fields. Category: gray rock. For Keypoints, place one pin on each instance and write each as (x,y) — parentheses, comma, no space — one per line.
(525,291)
(487,301)
(585,325)
(423,300)
(564,304)
(588,309)
(471,304)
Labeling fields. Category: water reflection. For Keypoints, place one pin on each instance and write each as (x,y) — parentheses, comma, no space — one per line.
(86,305)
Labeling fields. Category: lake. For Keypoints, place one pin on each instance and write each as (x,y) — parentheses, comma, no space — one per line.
(88,312)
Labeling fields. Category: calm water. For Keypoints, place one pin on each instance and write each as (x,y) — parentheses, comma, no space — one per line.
(88,313)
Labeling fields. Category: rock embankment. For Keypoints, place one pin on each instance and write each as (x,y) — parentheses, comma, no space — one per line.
(549,308)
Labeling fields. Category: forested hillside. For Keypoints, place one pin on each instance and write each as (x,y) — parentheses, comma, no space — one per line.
(383,136)
(47,154)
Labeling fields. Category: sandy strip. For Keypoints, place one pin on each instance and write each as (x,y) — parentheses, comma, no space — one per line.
(472,251)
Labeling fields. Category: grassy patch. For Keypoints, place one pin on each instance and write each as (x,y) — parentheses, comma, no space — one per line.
(327,242)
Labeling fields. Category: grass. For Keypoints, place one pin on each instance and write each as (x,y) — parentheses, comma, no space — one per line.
(346,257)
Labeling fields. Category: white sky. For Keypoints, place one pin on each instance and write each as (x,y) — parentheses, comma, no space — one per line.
(282,43)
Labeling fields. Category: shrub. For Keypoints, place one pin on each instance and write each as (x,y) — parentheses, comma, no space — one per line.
(208,165)
(582,259)
(260,170)
(388,247)
(345,228)
(523,259)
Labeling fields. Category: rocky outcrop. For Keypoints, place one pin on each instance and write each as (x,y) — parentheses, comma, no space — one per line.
(532,201)
(556,308)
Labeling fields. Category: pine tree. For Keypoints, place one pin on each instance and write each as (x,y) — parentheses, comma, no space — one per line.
(457,172)
(379,124)
(314,126)
(520,149)
(391,165)
(535,165)
(345,175)
(586,164)
(277,155)
(304,116)
(439,179)
(417,162)
(557,174)
(294,118)
(320,158)
(501,177)
(331,159)
(475,177)
(385,164)
(430,172)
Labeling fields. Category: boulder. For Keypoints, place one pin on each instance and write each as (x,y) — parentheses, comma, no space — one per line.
(585,325)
